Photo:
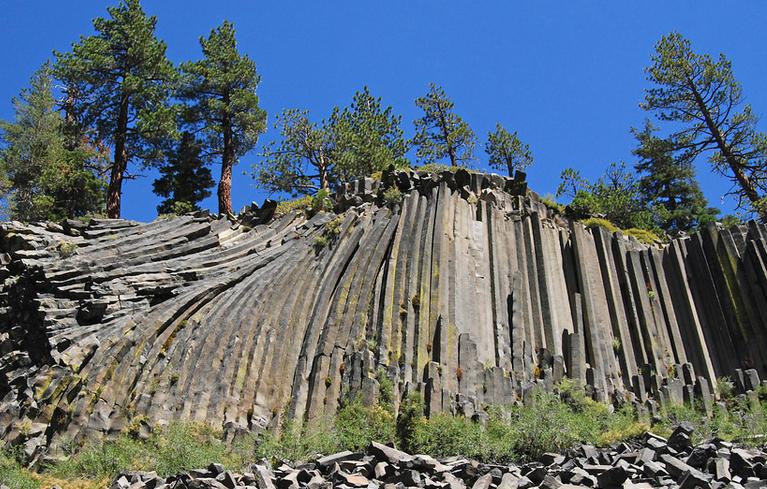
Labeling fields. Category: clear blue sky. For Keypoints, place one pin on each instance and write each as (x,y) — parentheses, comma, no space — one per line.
(567,75)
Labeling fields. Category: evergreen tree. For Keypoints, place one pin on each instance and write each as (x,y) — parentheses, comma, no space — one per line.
(354,142)
(506,151)
(122,80)
(221,92)
(185,179)
(614,196)
(440,133)
(366,137)
(703,102)
(43,176)
(301,163)
(667,185)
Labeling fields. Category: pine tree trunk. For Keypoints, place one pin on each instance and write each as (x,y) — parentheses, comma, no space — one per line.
(747,187)
(227,162)
(114,193)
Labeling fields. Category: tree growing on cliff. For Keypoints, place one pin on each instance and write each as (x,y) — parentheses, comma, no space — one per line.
(300,162)
(185,178)
(667,185)
(123,79)
(44,177)
(614,195)
(703,103)
(366,137)
(440,133)
(506,151)
(355,141)
(221,92)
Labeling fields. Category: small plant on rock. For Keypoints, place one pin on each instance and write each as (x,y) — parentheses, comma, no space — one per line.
(392,196)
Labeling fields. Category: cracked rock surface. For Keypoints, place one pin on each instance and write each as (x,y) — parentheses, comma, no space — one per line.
(469,290)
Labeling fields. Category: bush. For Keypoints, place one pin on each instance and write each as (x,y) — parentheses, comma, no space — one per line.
(552,204)
(594,222)
(288,206)
(357,425)
(643,235)
(392,196)
(321,202)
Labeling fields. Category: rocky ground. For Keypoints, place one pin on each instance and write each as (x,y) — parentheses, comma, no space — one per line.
(651,461)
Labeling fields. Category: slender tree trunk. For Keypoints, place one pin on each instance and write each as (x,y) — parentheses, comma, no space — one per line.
(748,188)
(324,184)
(114,193)
(227,162)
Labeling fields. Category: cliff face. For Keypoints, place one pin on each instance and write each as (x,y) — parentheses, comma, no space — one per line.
(469,291)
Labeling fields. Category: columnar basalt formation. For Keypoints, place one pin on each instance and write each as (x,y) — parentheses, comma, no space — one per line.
(468,290)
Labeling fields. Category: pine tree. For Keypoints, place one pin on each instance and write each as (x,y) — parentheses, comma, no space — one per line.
(300,163)
(44,176)
(667,185)
(122,79)
(185,179)
(440,133)
(506,151)
(221,92)
(703,102)
(366,137)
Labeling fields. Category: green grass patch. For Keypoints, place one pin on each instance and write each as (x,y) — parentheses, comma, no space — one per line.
(13,475)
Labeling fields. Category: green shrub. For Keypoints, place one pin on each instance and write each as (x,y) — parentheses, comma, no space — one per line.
(643,235)
(439,168)
(593,222)
(411,413)
(66,248)
(321,202)
(288,206)
(320,242)
(357,425)
(725,387)
(392,196)
(548,201)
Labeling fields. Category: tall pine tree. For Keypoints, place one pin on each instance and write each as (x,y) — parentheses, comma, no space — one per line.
(703,101)
(440,133)
(221,92)
(122,79)
(185,178)
(506,151)
(44,175)
(667,184)
(366,137)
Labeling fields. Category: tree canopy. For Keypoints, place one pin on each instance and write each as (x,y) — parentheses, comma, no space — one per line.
(121,79)
(355,141)
(702,103)
(506,151)
(220,91)
(42,175)
(184,179)
(441,134)
(667,184)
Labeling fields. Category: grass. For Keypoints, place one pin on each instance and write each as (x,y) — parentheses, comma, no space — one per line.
(554,422)
(642,235)
(288,206)
(551,203)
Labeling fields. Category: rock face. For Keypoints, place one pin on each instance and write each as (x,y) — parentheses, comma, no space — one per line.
(469,290)
(645,463)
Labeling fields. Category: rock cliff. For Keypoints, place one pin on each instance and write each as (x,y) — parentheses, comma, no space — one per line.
(468,290)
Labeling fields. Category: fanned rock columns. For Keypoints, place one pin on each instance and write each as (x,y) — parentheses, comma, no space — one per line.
(469,291)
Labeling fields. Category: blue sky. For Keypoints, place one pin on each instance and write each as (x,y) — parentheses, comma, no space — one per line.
(567,75)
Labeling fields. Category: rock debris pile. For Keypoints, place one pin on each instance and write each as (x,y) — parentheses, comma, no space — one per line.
(646,463)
